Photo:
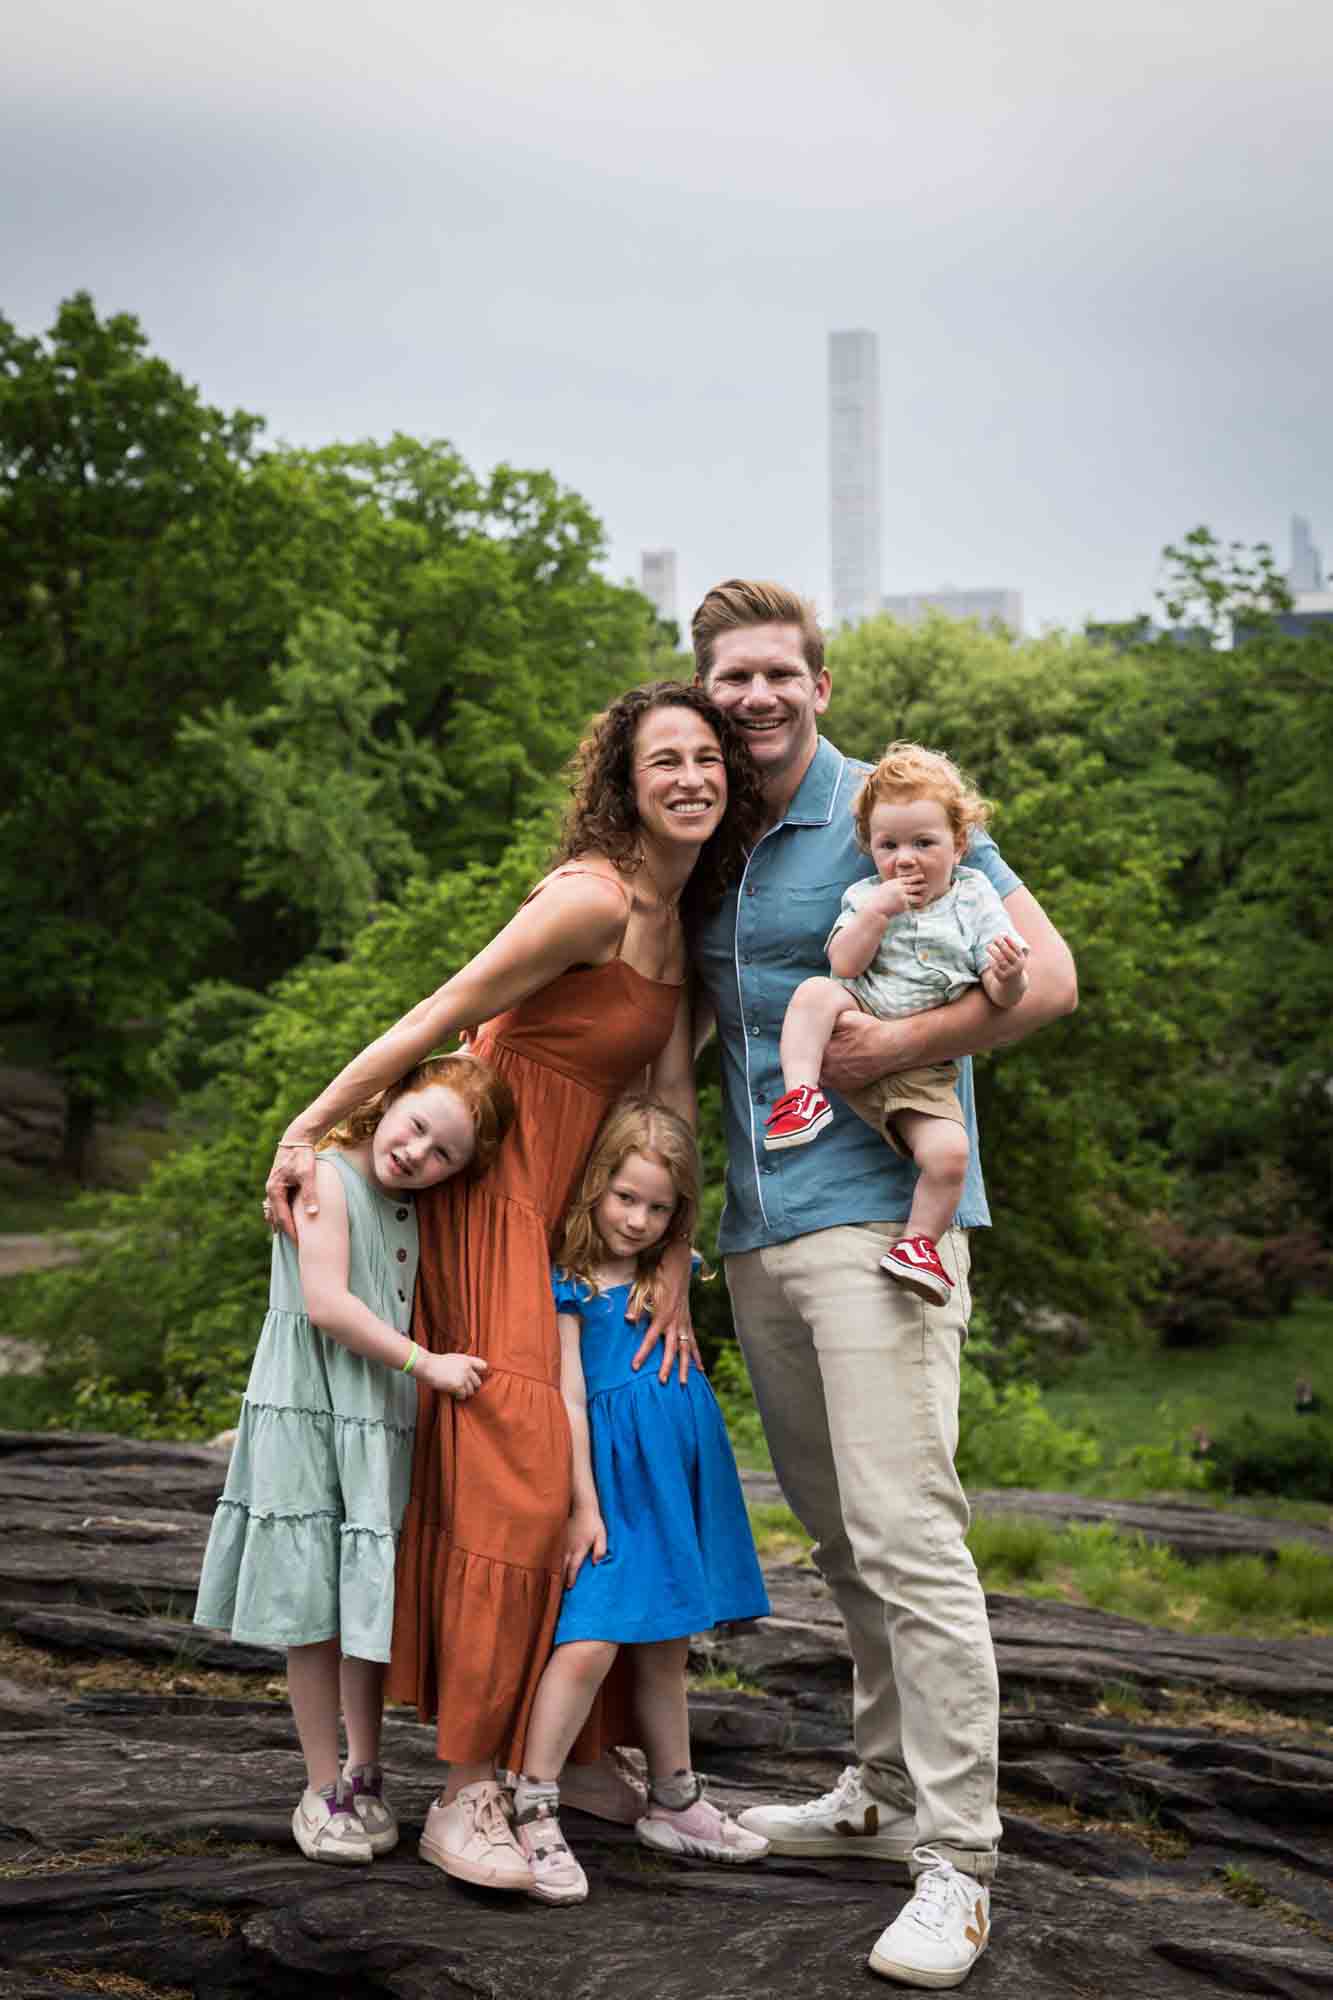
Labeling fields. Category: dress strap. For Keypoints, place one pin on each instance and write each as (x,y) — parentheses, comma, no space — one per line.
(572,868)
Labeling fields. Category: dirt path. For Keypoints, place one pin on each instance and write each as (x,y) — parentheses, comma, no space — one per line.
(33,1253)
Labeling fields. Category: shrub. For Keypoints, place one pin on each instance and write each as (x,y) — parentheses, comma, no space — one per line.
(1293,1458)
(1208,1283)
(1008,1437)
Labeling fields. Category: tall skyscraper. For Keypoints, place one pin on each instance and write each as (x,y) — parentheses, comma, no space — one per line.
(657,579)
(854,529)
(1307,562)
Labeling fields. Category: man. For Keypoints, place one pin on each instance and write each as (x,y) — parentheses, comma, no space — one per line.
(855,1379)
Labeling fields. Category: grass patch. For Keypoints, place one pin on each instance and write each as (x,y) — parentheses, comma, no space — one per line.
(34,1666)
(721,1680)
(1288,1597)
(1142,1832)
(1144,1405)
(116,1985)
(122,1850)
(778,1535)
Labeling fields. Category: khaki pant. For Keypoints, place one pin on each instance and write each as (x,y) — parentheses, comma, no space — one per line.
(857,1386)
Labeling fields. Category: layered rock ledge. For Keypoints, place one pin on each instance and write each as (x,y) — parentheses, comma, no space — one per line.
(1168,1799)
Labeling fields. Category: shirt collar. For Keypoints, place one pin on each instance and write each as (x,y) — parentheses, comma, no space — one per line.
(818,789)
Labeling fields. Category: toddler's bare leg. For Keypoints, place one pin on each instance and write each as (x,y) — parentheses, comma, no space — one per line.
(939,1148)
(659,1703)
(363,1709)
(312,1684)
(564,1701)
(812,1014)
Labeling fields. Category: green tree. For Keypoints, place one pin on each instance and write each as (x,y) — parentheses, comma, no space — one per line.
(325,800)
(118,488)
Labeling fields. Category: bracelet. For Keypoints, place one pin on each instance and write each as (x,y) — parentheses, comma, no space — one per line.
(411,1360)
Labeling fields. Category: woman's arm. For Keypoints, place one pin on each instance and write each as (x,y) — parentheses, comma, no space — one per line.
(863,1049)
(323,1253)
(585,1534)
(576,920)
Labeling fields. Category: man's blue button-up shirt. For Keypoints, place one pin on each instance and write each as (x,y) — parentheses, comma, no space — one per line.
(766,937)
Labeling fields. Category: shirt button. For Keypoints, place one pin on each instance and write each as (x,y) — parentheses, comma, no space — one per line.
(755,1030)
(402,1295)
(749,888)
(745,958)
(403,1214)
(402,1256)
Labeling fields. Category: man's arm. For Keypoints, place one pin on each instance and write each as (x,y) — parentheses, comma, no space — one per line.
(863,1049)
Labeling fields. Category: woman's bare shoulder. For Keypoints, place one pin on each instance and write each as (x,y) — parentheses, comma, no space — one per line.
(591,884)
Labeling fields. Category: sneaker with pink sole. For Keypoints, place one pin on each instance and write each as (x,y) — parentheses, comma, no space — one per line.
(914,1263)
(556,1875)
(469,1836)
(699,1831)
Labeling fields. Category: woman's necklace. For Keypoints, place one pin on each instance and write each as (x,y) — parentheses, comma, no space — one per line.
(669,903)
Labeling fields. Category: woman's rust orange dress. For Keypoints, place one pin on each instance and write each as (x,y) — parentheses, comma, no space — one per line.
(479,1564)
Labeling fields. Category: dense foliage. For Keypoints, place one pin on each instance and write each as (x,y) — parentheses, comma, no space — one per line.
(250,692)
(298,719)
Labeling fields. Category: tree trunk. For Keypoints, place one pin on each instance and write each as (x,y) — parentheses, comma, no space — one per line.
(80,1118)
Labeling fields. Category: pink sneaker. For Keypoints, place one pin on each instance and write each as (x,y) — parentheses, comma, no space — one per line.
(915,1263)
(700,1831)
(556,1875)
(797,1118)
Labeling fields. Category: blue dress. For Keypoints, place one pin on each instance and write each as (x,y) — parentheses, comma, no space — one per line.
(679,1554)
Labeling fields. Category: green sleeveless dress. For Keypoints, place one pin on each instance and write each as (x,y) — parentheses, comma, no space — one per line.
(303,1539)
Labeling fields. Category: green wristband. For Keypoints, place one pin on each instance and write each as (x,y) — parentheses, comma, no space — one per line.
(411,1360)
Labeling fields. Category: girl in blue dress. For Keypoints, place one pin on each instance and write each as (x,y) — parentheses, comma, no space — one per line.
(658,1543)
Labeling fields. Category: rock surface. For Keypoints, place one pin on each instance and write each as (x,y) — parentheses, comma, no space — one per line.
(145,1845)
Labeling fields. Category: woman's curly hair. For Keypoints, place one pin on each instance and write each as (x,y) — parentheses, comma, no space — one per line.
(604,819)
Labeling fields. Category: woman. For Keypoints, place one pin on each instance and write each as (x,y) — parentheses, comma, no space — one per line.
(582,994)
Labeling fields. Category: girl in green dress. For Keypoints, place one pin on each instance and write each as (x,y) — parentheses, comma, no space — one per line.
(301,1551)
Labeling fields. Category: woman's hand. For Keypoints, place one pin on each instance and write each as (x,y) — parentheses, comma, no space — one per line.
(671,1322)
(290,1183)
(456,1375)
(585,1535)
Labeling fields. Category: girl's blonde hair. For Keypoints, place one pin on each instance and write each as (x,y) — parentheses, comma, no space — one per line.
(905,772)
(483,1090)
(634,1125)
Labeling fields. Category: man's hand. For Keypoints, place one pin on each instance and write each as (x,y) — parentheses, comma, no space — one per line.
(290,1184)
(863,1049)
(585,1535)
(456,1375)
(671,1322)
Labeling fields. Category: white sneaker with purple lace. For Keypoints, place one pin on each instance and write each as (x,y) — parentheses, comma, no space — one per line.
(365,1782)
(938,1936)
(327,1828)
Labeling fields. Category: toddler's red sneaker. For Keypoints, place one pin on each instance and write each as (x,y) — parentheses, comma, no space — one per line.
(798,1117)
(915,1262)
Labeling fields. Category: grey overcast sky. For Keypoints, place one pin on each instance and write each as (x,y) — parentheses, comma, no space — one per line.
(610,240)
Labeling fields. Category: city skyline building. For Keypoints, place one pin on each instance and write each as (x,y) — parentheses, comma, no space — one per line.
(988,607)
(1306,570)
(854,474)
(657,580)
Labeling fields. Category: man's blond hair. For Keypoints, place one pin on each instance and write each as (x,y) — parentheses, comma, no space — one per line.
(731,606)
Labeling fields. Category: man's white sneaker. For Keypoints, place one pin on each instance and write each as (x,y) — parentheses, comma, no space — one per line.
(847,1820)
(937,1938)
